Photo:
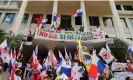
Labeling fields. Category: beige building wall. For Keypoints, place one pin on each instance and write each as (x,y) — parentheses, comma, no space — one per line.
(93,8)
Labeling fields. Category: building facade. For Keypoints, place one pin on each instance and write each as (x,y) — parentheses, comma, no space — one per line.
(115,18)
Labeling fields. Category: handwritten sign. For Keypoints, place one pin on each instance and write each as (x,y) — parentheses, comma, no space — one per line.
(122,75)
(83,36)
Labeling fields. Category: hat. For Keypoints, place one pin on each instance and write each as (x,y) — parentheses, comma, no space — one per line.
(18,70)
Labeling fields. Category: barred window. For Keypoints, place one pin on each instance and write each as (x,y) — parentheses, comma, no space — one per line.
(94,21)
(49,17)
(36,16)
(78,20)
(25,18)
(9,18)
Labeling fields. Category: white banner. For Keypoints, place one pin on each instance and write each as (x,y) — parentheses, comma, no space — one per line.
(97,35)
(122,75)
(73,36)
(118,66)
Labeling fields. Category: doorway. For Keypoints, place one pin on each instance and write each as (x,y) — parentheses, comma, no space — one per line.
(65,21)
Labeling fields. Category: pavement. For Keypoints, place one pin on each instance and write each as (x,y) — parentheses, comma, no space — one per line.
(4,76)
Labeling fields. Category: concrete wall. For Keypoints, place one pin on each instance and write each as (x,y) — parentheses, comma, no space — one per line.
(24,27)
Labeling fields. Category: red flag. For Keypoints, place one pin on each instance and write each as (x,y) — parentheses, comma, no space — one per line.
(39,21)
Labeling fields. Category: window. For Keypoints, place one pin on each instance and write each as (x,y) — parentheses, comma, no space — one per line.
(9,17)
(94,21)
(128,7)
(25,18)
(108,22)
(5,2)
(65,21)
(49,17)
(118,7)
(36,16)
(78,20)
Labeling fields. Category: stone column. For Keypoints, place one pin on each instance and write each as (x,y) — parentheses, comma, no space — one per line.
(116,30)
(9,2)
(73,22)
(2,17)
(129,27)
(55,7)
(117,20)
(84,23)
(29,20)
(19,18)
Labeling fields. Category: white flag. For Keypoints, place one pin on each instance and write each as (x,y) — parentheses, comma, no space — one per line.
(106,55)
(63,77)
(107,47)
(70,56)
(67,57)
(54,60)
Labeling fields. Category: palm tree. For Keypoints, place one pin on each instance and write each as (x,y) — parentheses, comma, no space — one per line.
(2,35)
(12,40)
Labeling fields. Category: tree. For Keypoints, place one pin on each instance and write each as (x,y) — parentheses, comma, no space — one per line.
(12,40)
(2,35)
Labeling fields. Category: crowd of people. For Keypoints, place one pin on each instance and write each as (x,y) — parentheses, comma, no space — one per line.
(76,70)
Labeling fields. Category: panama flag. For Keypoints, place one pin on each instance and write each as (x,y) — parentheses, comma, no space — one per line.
(61,58)
(54,60)
(106,55)
(96,67)
(20,51)
(36,51)
(3,46)
(41,22)
(34,57)
(130,49)
(56,18)
(77,13)
(67,57)
(12,74)
(44,21)
(14,54)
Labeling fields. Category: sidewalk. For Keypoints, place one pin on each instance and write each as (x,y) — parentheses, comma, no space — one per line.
(4,76)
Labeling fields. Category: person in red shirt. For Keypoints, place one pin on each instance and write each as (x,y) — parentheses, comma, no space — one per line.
(129,66)
(36,76)
(59,28)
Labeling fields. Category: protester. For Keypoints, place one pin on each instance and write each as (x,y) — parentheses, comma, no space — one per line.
(1,65)
(17,74)
(77,68)
(128,78)
(35,75)
(129,66)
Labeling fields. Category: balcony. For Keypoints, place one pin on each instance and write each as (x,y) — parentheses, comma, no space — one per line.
(62,38)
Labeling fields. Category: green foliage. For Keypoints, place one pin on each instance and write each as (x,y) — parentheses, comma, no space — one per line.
(119,49)
(2,35)
(12,40)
